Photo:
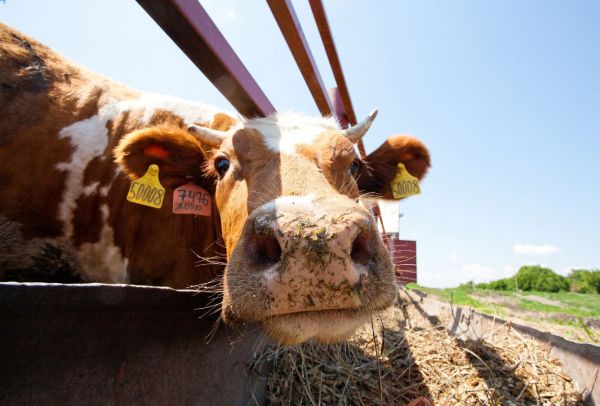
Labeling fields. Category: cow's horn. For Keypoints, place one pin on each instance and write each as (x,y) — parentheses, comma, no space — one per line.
(355,133)
(207,135)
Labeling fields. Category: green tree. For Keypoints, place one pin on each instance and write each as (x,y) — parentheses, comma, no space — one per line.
(467,285)
(500,284)
(536,277)
(585,281)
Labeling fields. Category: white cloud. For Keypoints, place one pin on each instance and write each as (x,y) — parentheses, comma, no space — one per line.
(532,249)
(230,14)
(220,11)
(454,256)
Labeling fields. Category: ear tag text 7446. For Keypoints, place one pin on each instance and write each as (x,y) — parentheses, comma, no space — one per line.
(191,199)
(147,190)
(404,184)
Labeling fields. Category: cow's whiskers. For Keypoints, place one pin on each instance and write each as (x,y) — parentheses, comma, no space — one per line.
(214,260)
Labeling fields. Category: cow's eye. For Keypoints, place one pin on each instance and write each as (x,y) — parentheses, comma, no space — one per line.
(354,168)
(221,166)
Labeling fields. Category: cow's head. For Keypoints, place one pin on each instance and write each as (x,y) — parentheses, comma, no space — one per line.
(304,257)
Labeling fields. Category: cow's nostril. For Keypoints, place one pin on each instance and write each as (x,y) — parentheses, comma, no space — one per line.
(363,248)
(264,249)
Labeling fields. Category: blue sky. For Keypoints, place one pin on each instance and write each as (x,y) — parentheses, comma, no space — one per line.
(506,94)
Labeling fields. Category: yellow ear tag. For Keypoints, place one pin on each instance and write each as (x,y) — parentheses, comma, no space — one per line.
(404,184)
(147,190)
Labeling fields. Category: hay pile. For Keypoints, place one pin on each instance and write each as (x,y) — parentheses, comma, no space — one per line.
(404,355)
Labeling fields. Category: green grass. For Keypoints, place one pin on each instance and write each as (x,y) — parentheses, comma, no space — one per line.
(576,304)
(567,309)
(461,297)
(572,304)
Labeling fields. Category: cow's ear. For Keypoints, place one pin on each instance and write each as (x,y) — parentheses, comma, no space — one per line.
(382,164)
(179,155)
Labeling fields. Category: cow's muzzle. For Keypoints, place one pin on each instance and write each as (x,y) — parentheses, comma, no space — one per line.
(308,258)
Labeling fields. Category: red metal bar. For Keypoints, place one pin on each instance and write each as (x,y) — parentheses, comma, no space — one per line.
(338,107)
(286,18)
(336,67)
(192,29)
(323,25)
(342,116)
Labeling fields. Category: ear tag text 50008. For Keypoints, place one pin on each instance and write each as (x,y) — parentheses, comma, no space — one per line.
(404,184)
(147,190)
(191,199)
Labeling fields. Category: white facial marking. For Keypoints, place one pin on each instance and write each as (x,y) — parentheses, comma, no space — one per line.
(283,132)
(305,204)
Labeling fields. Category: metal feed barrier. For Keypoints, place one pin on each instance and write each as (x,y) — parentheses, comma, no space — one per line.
(97,344)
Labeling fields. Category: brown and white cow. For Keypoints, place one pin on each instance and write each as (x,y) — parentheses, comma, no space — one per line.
(304,257)
(63,215)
